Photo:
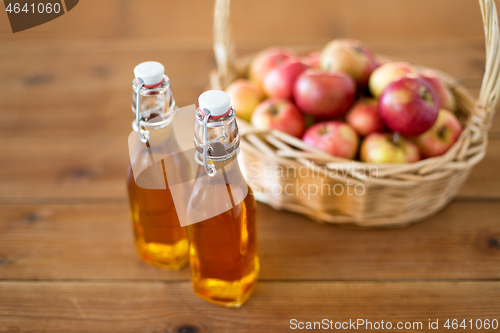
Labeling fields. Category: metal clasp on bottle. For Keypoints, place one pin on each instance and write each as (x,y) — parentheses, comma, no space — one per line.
(209,168)
(143,133)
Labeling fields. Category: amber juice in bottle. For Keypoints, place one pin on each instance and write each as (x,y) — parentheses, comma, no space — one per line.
(159,238)
(223,248)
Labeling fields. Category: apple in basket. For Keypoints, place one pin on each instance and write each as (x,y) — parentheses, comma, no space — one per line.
(364,117)
(388,148)
(333,137)
(349,56)
(441,136)
(409,106)
(444,94)
(265,61)
(386,74)
(279,81)
(245,97)
(279,114)
(321,94)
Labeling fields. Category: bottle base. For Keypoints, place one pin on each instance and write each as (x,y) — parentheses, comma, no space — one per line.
(228,303)
(232,294)
(172,257)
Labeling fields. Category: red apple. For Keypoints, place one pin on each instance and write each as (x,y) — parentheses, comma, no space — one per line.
(409,106)
(245,97)
(386,148)
(322,94)
(279,81)
(444,94)
(265,61)
(349,56)
(441,136)
(386,74)
(279,114)
(364,117)
(333,137)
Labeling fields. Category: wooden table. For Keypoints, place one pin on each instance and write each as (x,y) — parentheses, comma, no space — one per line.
(67,261)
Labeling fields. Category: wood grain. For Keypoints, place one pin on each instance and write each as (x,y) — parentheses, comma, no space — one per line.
(94,242)
(285,19)
(172,307)
(110,63)
(81,89)
(67,262)
(94,168)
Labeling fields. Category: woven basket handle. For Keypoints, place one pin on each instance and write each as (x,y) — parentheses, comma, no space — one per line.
(223,45)
(482,118)
(490,88)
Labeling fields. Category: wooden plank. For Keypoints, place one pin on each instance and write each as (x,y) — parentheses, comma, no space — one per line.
(95,167)
(72,65)
(63,168)
(99,114)
(82,88)
(484,180)
(103,114)
(77,242)
(277,19)
(172,307)
(95,242)
(88,68)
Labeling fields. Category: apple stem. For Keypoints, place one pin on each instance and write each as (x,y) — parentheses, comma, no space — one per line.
(323,130)
(426,95)
(273,109)
(395,138)
(442,131)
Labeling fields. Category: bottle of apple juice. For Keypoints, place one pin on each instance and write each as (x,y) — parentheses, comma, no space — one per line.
(159,238)
(223,245)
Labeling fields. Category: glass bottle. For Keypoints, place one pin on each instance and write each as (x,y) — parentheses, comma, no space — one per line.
(223,248)
(159,238)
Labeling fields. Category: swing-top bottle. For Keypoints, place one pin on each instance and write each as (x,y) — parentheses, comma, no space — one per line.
(159,238)
(223,246)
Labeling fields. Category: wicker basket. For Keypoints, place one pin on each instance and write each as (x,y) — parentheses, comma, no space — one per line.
(392,194)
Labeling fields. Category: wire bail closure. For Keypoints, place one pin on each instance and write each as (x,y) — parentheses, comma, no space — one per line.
(143,134)
(209,168)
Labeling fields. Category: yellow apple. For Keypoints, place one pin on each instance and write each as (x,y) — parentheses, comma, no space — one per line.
(386,148)
(386,74)
(349,56)
(245,97)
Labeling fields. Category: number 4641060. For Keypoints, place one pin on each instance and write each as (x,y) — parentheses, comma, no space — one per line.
(40,8)
(478,324)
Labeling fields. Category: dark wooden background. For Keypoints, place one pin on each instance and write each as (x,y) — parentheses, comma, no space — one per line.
(67,261)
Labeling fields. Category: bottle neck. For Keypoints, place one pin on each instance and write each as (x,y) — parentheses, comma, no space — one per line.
(222,136)
(156,105)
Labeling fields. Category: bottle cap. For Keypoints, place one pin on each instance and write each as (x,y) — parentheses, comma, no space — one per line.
(217,101)
(151,72)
